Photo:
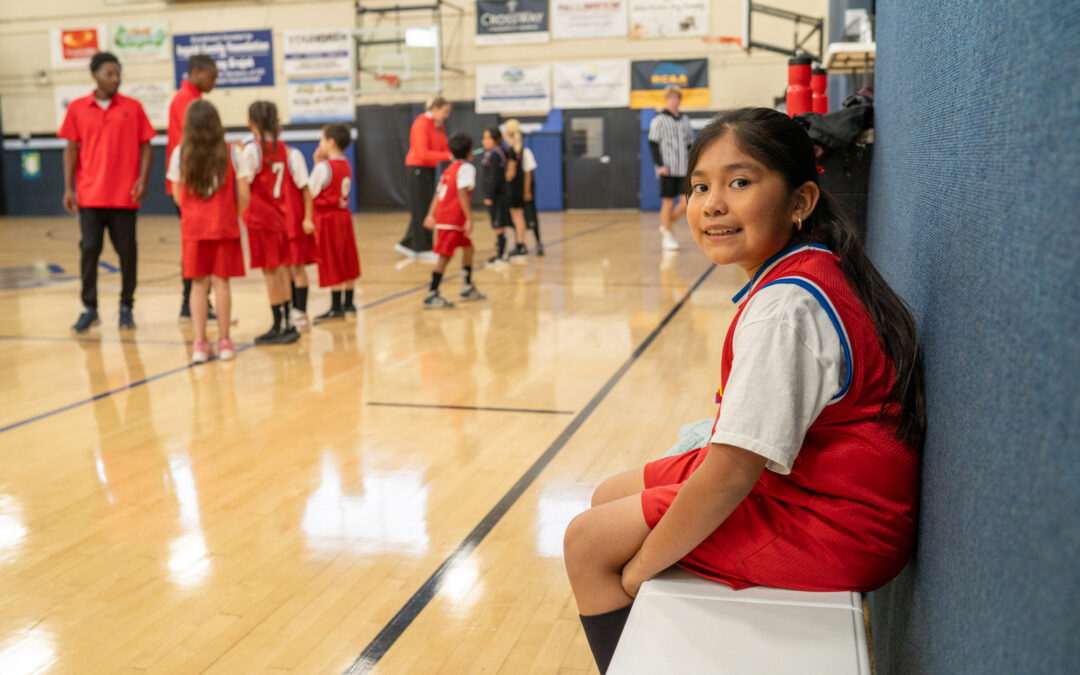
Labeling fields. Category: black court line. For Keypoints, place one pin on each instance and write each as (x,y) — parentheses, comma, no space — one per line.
(106,394)
(538,411)
(393,630)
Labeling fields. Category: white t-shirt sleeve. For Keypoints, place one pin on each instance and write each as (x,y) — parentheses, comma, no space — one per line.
(528,160)
(319,178)
(173,172)
(788,364)
(250,158)
(466,176)
(298,168)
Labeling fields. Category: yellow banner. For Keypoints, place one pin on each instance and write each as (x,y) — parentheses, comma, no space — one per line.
(654,98)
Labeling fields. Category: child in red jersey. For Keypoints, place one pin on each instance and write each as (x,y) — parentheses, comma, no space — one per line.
(300,227)
(202,171)
(810,478)
(330,180)
(263,166)
(450,215)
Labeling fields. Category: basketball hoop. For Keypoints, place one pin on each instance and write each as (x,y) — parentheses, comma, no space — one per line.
(392,81)
(723,39)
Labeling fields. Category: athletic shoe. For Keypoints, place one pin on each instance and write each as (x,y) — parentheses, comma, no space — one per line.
(428,257)
(225,349)
(185,313)
(669,244)
(405,251)
(436,301)
(539,250)
(349,309)
(276,336)
(88,318)
(470,294)
(299,319)
(127,321)
(200,351)
(330,314)
(495,260)
(519,255)
(268,336)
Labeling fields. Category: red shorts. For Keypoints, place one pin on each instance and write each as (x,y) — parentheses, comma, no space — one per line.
(220,257)
(338,260)
(448,241)
(269,248)
(303,250)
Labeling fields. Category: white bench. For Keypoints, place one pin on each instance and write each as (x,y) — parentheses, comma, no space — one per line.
(683,624)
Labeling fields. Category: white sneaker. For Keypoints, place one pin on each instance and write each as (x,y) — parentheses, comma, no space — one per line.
(428,257)
(200,351)
(405,251)
(298,319)
(670,244)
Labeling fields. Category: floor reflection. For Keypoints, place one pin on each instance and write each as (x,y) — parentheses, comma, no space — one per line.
(555,508)
(12,528)
(27,652)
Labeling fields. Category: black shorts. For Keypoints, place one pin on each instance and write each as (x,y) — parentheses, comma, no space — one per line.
(500,212)
(672,186)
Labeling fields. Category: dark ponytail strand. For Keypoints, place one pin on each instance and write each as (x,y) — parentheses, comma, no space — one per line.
(263,114)
(781,144)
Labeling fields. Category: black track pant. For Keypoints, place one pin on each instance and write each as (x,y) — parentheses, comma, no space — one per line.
(421,190)
(121,226)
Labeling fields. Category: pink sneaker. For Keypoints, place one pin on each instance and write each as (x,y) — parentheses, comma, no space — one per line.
(200,351)
(225,349)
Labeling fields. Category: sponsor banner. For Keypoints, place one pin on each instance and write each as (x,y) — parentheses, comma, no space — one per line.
(591,84)
(500,22)
(321,99)
(244,58)
(648,79)
(512,89)
(587,19)
(139,41)
(63,94)
(310,52)
(73,47)
(668,18)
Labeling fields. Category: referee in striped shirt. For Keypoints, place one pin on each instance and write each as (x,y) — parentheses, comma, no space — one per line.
(670,137)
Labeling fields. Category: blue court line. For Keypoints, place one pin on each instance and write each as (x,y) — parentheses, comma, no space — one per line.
(181,369)
(106,394)
(15,284)
(393,630)
(102,340)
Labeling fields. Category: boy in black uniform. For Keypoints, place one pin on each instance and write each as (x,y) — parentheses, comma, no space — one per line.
(496,190)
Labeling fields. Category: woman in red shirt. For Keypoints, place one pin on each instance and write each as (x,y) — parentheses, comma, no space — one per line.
(427,147)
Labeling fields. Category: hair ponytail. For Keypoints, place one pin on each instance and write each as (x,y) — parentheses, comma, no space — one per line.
(512,129)
(781,144)
(263,114)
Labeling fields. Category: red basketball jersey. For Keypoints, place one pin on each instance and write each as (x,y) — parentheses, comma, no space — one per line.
(212,218)
(335,196)
(448,209)
(267,207)
(853,487)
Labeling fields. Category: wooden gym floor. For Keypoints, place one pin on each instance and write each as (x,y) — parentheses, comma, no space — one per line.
(387,495)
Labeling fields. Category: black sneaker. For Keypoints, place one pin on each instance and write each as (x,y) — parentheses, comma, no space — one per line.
(268,336)
(330,314)
(283,337)
(185,313)
(519,255)
(88,318)
(540,250)
(436,301)
(470,294)
(127,321)
(349,309)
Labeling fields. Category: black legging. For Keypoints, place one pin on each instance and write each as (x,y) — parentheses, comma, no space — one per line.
(421,190)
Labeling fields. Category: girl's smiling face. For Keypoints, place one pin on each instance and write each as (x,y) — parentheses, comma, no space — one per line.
(739,210)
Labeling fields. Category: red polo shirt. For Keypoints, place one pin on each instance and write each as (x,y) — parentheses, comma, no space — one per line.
(109,142)
(177,109)
(427,143)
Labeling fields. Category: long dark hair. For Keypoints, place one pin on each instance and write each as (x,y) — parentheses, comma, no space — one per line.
(782,145)
(204,157)
(263,114)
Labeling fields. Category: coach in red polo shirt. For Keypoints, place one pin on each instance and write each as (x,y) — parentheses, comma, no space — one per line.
(201,78)
(427,147)
(106,167)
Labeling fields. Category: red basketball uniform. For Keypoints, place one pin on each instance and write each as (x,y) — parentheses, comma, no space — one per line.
(338,260)
(302,247)
(209,232)
(265,215)
(844,518)
(449,216)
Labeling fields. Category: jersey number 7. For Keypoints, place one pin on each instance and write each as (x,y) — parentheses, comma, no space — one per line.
(278,169)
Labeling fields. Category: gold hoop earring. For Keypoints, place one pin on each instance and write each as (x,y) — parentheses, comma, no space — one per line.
(799,226)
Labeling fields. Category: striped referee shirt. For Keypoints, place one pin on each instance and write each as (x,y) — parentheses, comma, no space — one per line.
(674,136)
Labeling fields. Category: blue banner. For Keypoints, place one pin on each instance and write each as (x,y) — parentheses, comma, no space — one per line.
(245,58)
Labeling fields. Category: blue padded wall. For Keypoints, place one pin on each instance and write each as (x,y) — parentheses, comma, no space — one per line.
(974,217)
